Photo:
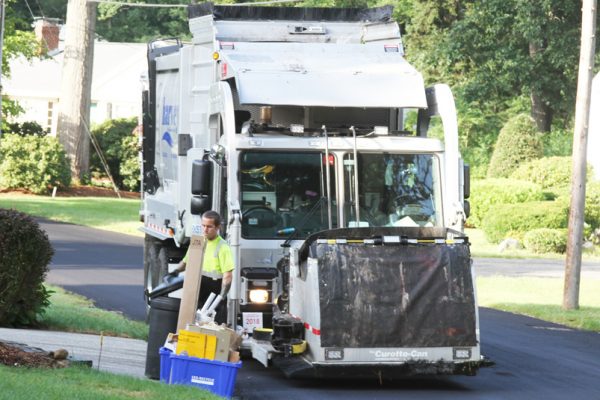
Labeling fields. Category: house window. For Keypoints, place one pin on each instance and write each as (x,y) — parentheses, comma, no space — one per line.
(48,127)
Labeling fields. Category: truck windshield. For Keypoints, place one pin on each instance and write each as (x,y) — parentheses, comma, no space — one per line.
(283,193)
(393,190)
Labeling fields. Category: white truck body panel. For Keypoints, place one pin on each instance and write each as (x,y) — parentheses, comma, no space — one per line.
(316,74)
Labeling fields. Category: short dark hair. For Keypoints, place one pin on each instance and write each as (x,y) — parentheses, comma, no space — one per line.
(214,216)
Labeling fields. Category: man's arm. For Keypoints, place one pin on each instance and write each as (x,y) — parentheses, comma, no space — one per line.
(226,284)
(180,267)
(171,275)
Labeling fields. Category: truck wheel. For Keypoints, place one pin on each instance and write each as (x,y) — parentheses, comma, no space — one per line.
(155,262)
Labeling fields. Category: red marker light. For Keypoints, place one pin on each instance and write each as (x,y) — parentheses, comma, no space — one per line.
(224,70)
(331,160)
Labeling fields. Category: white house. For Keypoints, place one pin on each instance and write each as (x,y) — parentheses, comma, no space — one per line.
(116,84)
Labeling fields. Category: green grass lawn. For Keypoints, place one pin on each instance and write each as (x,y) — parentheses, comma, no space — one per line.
(19,383)
(541,298)
(480,247)
(73,313)
(117,215)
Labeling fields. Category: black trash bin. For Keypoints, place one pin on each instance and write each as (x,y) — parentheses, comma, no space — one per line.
(162,320)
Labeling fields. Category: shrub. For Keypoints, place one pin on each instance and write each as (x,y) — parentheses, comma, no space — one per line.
(549,172)
(592,204)
(35,163)
(25,252)
(592,208)
(115,139)
(130,165)
(518,141)
(558,142)
(488,192)
(25,128)
(544,240)
(520,218)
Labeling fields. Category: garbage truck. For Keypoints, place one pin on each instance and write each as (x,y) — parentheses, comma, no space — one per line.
(339,179)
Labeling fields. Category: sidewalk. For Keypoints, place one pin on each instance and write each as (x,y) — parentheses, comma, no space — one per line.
(119,355)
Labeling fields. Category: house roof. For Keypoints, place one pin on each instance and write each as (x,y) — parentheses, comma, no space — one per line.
(115,76)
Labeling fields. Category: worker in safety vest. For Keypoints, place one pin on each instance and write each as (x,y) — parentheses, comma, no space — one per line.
(217,265)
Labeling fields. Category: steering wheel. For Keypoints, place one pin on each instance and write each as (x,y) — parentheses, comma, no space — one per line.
(261,216)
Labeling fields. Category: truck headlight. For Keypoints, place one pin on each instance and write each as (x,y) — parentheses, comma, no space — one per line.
(259,296)
(258,287)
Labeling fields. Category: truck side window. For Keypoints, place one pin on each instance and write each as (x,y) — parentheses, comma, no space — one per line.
(394,190)
(283,193)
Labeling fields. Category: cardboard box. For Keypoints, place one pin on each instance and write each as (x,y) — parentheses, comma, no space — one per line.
(220,340)
(191,283)
(234,356)
(211,347)
(171,342)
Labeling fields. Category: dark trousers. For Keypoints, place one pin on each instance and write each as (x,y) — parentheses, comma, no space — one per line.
(208,286)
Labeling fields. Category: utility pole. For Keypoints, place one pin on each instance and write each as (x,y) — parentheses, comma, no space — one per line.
(2,12)
(582,112)
(76,85)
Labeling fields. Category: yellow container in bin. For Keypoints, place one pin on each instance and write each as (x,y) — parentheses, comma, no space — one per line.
(210,348)
(192,344)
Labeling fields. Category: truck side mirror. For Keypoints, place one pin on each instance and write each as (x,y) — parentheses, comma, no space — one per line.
(200,204)
(466,181)
(201,187)
(201,177)
(467,208)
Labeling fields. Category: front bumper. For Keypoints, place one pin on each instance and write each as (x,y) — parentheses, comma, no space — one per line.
(300,367)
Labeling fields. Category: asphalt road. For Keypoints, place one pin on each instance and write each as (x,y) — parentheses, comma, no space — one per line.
(103,266)
(534,359)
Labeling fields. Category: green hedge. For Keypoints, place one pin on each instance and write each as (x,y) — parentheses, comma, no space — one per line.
(25,253)
(518,142)
(32,162)
(488,192)
(120,148)
(549,172)
(517,219)
(25,128)
(130,164)
(592,204)
(545,240)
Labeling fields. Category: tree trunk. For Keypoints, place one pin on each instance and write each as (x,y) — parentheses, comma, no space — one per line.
(541,113)
(76,85)
(540,110)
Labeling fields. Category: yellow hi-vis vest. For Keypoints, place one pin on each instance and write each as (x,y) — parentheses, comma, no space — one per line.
(217,258)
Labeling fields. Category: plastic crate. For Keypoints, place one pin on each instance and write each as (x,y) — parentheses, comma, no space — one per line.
(165,364)
(215,376)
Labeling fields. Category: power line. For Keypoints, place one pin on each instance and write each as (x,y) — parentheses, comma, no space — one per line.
(33,17)
(29,8)
(2,12)
(154,5)
(124,3)
(40,7)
